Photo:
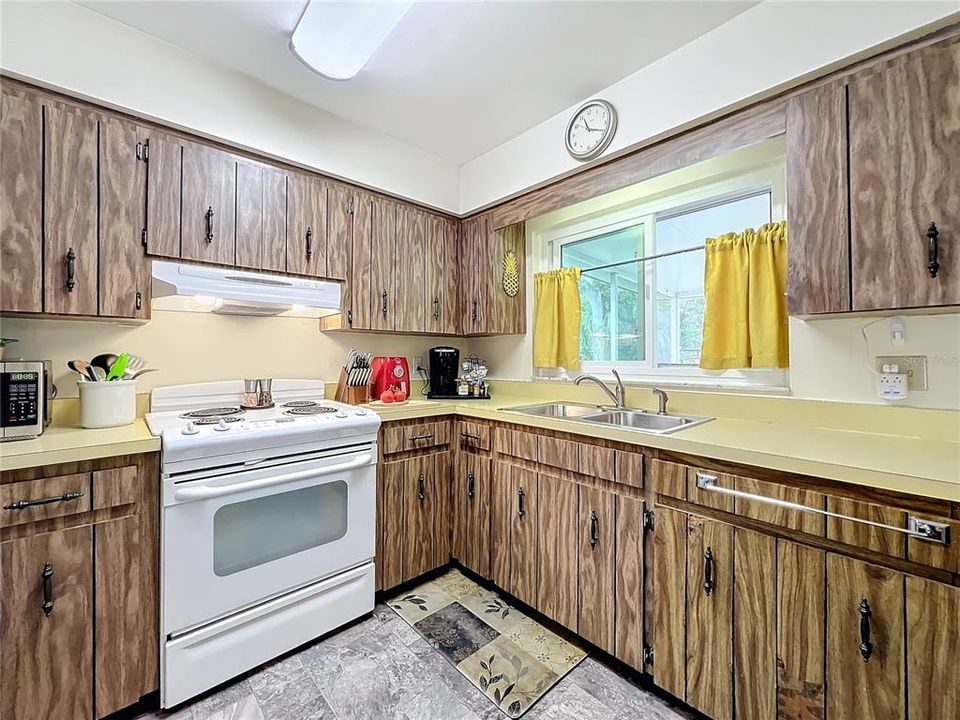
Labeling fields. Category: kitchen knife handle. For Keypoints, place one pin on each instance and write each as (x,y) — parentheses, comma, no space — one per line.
(209,219)
(46,577)
(309,243)
(71,270)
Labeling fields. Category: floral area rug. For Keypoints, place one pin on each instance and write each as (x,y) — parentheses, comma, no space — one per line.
(510,657)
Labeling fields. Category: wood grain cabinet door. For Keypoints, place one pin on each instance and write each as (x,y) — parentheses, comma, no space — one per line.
(442,477)
(360,286)
(559,533)
(391,506)
(865,635)
(933,627)
(250,212)
(818,268)
(473,275)
(755,625)
(669,598)
(209,225)
(435,290)
(503,507)
(273,255)
(340,202)
(383,265)
(419,499)
(524,543)
(471,518)
(70,210)
(597,582)
(904,146)
(452,313)
(21,200)
(124,272)
(46,621)
(710,582)
(306,226)
(411,271)
(506,281)
(629,606)
(164,194)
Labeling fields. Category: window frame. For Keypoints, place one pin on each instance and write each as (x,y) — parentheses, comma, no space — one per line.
(769,178)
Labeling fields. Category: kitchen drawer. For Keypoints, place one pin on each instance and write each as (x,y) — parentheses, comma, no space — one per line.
(707,498)
(933,554)
(868,537)
(559,453)
(629,468)
(516,443)
(415,437)
(668,478)
(474,435)
(596,461)
(113,487)
(811,523)
(64,495)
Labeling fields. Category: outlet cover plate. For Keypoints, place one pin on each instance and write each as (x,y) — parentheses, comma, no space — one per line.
(913,366)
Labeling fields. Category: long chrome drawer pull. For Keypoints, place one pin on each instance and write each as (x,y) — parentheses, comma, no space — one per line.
(425,436)
(918,528)
(24,504)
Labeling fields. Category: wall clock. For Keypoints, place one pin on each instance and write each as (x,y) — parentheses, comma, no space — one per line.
(591,129)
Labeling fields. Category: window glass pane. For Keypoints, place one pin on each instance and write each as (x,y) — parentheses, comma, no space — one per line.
(612,300)
(254,532)
(680,302)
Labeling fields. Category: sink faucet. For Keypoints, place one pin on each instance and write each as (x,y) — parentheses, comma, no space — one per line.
(662,397)
(616,396)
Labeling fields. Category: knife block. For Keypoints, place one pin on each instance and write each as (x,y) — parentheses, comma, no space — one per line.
(351,394)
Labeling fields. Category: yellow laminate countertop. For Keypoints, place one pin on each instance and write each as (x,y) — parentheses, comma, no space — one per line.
(907,464)
(63,444)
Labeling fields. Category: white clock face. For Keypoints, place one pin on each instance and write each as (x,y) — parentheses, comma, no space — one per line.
(590,130)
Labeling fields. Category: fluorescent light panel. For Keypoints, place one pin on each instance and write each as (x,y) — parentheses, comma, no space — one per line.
(336,39)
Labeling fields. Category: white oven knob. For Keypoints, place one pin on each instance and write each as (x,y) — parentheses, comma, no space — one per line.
(190,429)
(359,412)
(341,414)
(221,426)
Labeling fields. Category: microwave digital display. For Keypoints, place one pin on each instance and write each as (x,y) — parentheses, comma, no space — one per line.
(19,398)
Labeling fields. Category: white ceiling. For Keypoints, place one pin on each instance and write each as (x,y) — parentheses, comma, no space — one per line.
(455,79)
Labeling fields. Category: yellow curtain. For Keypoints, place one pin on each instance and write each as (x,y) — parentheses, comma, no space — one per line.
(745,283)
(556,318)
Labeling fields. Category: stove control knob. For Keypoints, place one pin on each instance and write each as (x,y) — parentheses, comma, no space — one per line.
(221,426)
(190,429)
(341,414)
(359,412)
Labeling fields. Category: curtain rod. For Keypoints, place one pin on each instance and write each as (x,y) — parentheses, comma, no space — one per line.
(643,259)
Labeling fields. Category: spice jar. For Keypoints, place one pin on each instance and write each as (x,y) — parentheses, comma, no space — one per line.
(266,393)
(251,396)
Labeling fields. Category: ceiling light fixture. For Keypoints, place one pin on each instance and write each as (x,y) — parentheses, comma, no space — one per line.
(336,39)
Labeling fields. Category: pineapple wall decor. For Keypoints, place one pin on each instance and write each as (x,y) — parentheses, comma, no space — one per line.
(511,274)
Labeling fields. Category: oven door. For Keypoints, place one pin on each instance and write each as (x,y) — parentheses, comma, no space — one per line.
(231,541)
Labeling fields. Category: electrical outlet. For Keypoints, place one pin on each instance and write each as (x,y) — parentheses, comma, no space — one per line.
(913,366)
(418,363)
(892,386)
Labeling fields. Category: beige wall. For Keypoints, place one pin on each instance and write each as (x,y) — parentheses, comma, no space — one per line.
(193,347)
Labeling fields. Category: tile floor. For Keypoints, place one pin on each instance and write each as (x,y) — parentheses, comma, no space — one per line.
(382,669)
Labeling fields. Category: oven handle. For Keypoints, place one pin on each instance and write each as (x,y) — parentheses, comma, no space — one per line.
(207,492)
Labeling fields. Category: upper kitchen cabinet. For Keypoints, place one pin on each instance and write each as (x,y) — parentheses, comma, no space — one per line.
(476,278)
(383,264)
(905,180)
(492,261)
(442,273)
(261,217)
(273,252)
(21,200)
(164,156)
(306,225)
(209,224)
(340,203)
(124,274)
(70,210)
(410,284)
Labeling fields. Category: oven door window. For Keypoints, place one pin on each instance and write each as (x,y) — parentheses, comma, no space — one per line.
(258,531)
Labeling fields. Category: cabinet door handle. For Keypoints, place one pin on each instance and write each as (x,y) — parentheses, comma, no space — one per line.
(520,509)
(138,301)
(383,303)
(47,578)
(594,529)
(933,250)
(209,219)
(708,571)
(421,488)
(474,313)
(471,483)
(866,647)
(71,258)
(470,436)
(309,243)
(425,436)
(436,308)
(24,504)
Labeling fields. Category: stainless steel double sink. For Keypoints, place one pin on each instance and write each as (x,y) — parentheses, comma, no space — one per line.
(626,418)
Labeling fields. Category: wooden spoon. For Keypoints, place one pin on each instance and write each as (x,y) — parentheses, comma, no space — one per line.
(83,368)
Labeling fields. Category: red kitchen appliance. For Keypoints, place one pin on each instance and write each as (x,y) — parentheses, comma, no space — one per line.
(390,372)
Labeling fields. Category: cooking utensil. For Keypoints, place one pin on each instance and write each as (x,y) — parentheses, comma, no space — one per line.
(83,368)
(133,376)
(99,373)
(116,370)
(135,363)
(104,361)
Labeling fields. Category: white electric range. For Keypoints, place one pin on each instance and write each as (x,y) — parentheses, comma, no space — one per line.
(267,526)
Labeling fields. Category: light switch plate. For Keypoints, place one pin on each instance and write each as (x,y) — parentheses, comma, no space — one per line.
(913,366)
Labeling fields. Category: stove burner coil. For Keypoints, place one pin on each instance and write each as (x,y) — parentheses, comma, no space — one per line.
(213,412)
(311,410)
(300,404)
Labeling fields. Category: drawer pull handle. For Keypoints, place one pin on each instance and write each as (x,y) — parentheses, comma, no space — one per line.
(470,436)
(209,219)
(425,436)
(421,488)
(520,509)
(708,581)
(933,250)
(24,504)
(594,529)
(471,483)
(866,647)
(47,578)
(309,243)
(917,528)
(71,258)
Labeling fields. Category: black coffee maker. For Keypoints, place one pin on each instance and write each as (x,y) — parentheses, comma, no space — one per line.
(444,367)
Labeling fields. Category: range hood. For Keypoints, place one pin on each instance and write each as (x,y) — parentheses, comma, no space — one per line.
(199,288)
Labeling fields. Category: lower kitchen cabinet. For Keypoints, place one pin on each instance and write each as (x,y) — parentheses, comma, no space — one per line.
(524,543)
(78,589)
(754,624)
(559,550)
(471,501)
(418,510)
(932,629)
(595,617)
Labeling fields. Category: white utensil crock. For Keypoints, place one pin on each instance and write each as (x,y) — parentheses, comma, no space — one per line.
(108,404)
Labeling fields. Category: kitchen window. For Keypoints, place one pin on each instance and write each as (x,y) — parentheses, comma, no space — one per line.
(645,318)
